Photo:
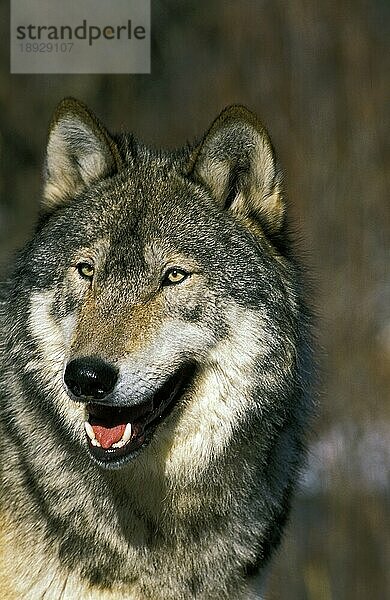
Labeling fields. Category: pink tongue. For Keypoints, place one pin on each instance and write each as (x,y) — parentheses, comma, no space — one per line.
(107,436)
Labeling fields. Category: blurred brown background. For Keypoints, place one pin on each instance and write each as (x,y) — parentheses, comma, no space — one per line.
(317,75)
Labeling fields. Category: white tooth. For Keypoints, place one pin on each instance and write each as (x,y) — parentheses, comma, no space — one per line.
(127,433)
(89,430)
(119,444)
(94,442)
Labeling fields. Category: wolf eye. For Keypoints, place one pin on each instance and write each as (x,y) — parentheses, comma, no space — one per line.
(173,276)
(85,270)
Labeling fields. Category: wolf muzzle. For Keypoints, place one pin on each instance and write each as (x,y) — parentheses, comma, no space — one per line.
(117,427)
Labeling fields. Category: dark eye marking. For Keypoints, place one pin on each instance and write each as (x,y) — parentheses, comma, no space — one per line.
(174,276)
(85,270)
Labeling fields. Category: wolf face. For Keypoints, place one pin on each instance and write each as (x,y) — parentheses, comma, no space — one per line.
(155,325)
(142,271)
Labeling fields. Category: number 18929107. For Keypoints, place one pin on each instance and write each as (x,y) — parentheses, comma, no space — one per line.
(63,47)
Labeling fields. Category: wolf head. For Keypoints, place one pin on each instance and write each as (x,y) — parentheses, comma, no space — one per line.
(156,293)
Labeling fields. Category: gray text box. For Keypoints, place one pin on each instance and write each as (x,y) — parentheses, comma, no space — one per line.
(80,36)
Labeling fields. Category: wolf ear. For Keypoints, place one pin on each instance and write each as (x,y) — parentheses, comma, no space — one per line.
(237,163)
(79,152)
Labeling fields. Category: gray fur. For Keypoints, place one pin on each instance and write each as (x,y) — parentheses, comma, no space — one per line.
(200,508)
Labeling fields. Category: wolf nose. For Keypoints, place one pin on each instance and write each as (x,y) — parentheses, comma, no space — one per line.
(90,377)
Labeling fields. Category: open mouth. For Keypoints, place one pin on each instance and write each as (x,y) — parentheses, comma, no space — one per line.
(115,434)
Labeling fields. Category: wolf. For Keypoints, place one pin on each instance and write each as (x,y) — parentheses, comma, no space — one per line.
(156,368)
